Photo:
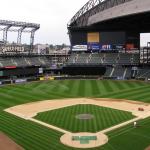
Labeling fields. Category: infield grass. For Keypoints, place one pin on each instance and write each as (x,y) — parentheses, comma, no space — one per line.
(32,136)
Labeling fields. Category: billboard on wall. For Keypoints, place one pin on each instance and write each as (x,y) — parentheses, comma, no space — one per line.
(93,46)
(20,81)
(79,48)
(130,46)
(119,46)
(40,70)
(93,37)
(46,78)
(106,47)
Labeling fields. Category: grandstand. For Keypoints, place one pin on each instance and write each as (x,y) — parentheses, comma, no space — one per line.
(23,61)
(105,33)
(104,58)
(117,65)
(83,113)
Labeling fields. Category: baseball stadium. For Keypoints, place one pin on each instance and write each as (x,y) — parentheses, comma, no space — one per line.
(96,97)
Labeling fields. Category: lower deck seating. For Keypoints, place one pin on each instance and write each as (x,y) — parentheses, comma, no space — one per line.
(118,72)
(104,58)
(24,61)
(108,71)
(143,73)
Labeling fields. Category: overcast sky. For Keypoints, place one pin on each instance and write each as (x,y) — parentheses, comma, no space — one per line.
(52,15)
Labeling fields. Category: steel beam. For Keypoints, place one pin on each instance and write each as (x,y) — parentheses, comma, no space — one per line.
(19,24)
(80,19)
(23,27)
(5,33)
(32,39)
(20,35)
(15,30)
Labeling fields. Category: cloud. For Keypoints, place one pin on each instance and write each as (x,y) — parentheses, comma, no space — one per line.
(52,15)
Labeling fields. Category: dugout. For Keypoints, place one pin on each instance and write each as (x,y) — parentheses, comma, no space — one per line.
(10,72)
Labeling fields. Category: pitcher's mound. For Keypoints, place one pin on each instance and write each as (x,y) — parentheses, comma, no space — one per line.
(84,140)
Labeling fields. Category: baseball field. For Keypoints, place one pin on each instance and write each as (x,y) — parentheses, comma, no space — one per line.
(33,136)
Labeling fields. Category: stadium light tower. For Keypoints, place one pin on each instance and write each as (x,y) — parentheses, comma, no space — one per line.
(21,27)
(20,35)
(5,33)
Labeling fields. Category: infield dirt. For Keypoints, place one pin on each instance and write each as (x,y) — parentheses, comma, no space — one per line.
(28,111)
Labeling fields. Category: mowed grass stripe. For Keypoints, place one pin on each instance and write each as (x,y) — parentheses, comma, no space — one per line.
(88,88)
(108,86)
(33,133)
(140,95)
(113,87)
(124,93)
(95,87)
(102,87)
(118,85)
(128,133)
(29,133)
(133,93)
(73,88)
(145,98)
(103,117)
(81,88)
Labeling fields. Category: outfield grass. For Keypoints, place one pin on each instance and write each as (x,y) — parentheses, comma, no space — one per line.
(36,137)
(65,118)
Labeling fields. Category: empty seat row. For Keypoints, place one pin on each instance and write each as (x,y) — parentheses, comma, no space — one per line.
(24,61)
(104,58)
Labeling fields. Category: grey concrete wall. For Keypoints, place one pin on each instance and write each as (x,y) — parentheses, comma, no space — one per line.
(128,8)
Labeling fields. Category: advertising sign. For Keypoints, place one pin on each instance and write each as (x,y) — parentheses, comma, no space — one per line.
(42,79)
(40,70)
(54,66)
(119,47)
(79,48)
(107,47)
(93,37)
(46,78)
(20,80)
(93,46)
(130,46)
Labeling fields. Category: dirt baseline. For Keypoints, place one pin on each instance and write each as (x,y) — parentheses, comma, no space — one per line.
(29,110)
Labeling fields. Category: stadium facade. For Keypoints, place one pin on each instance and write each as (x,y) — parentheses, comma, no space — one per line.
(109,24)
(105,42)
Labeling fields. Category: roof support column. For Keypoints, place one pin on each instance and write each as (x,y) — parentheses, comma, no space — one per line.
(20,35)
(32,39)
(5,33)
